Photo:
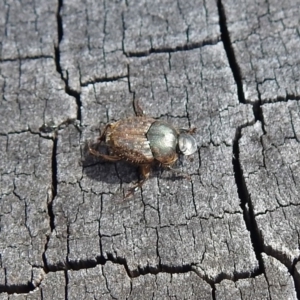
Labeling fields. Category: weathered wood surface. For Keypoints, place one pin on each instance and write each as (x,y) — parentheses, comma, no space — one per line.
(229,68)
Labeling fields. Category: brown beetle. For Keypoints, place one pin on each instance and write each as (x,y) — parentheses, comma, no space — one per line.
(145,141)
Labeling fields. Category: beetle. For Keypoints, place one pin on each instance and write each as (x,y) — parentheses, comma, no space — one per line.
(145,142)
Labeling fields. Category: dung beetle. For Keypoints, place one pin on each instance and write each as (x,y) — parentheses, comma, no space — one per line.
(145,141)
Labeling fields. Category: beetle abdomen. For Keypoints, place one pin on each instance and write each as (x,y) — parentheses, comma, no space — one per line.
(127,138)
(163,142)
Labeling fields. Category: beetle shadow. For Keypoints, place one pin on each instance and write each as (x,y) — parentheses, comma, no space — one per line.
(99,169)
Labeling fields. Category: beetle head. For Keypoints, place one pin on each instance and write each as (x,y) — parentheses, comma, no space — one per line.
(187,144)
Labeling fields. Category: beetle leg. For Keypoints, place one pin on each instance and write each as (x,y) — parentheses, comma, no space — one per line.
(189,131)
(102,136)
(109,157)
(145,171)
(192,130)
(178,172)
(104,156)
(138,110)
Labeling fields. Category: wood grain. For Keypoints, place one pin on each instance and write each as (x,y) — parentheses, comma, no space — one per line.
(230,69)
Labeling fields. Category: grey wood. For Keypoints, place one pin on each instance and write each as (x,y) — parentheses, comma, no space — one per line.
(177,219)
(277,283)
(92,44)
(265,41)
(252,288)
(25,190)
(33,95)
(152,26)
(112,282)
(226,230)
(28,29)
(52,286)
(169,286)
(280,281)
(271,172)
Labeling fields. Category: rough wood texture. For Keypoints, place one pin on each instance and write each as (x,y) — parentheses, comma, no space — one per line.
(265,40)
(229,68)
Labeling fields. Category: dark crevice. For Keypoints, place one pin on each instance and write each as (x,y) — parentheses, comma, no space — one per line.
(288,97)
(122,261)
(76,95)
(77,265)
(24,58)
(123,31)
(212,281)
(52,194)
(176,269)
(59,21)
(220,277)
(54,183)
(66,284)
(80,265)
(101,260)
(128,74)
(60,36)
(296,277)
(175,49)
(17,289)
(246,204)
(134,99)
(243,193)
(68,90)
(230,52)
(99,231)
(148,269)
(104,79)
(67,262)
(257,111)
(285,259)
(180,270)
(57,60)
(213,292)
(292,97)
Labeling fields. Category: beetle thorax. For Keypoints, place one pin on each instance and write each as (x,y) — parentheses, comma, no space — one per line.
(163,140)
